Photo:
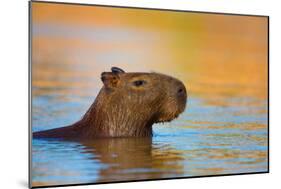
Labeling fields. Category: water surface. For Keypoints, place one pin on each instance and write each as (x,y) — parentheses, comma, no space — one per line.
(204,140)
(222,60)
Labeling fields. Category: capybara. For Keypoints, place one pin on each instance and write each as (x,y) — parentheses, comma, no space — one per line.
(128,104)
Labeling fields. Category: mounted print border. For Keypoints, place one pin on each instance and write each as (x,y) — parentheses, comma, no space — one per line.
(215,72)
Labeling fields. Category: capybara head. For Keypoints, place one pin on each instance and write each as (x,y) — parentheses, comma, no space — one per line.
(136,100)
(127,106)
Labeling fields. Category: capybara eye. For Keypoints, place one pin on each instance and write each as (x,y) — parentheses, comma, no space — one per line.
(139,83)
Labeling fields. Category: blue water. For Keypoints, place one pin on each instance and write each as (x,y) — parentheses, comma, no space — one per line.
(205,140)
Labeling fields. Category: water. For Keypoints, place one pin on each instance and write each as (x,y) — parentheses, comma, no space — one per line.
(222,131)
(226,140)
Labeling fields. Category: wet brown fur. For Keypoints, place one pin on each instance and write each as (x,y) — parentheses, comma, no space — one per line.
(125,109)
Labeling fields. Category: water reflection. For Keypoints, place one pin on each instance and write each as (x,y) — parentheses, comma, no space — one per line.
(103,160)
(134,159)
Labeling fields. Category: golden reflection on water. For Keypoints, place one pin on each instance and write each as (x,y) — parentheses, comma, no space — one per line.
(221,59)
(123,153)
(220,55)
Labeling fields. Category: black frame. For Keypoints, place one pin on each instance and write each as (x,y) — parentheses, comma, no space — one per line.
(142,8)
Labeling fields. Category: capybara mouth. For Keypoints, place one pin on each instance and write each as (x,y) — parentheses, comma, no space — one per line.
(171,114)
(167,120)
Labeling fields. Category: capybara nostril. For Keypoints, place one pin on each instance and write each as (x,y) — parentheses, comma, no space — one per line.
(180,90)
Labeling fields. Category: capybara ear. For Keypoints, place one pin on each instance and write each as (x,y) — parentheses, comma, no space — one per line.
(117,70)
(110,79)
